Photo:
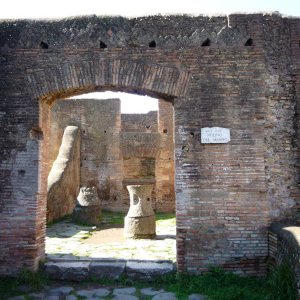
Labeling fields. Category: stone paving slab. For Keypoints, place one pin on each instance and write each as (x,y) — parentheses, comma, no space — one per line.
(79,270)
(96,293)
(107,269)
(67,270)
(145,270)
(70,258)
(66,240)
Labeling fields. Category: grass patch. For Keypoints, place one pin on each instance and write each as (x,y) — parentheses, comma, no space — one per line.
(217,285)
(282,283)
(112,218)
(10,286)
(165,219)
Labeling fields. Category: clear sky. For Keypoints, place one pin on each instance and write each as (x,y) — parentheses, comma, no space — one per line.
(64,8)
(43,9)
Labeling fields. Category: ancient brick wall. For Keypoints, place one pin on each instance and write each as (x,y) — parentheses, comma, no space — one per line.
(165,193)
(101,160)
(240,72)
(139,122)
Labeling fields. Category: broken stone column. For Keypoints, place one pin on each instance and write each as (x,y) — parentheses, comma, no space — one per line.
(140,219)
(88,208)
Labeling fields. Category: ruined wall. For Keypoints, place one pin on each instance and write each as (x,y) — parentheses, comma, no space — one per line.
(100,157)
(165,199)
(156,167)
(139,122)
(138,160)
(240,72)
(64,177)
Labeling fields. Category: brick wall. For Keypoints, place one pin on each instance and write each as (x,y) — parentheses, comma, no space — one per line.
(247,80)
(139,122)
(101,160)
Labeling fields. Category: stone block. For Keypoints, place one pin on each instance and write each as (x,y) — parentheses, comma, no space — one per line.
(75,271)
(103,269)
(147,270)
(88,215)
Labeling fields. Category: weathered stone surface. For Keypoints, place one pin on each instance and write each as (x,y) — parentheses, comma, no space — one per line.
(124,291)
(51,297)
(125,297)
(140,227)
(111,270)
(61,291)
(71,297)
(147,270)
(165,296)
(88,196)
(101,292)
(17,298)
(197,297)
(37,296)
(63,179)
(85,293)
(140,219)
(76,271)
(89,215)
(151,292)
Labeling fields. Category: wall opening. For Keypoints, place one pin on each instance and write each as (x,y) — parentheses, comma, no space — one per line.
(125,140)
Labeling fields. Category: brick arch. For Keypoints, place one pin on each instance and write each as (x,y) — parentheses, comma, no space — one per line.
(123,75)
(71,78)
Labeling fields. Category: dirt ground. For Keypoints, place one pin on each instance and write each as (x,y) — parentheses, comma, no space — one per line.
(106,234)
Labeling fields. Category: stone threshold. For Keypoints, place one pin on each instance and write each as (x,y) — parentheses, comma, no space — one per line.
(92,268)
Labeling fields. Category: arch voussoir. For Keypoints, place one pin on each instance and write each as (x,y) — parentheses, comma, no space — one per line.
(88,75)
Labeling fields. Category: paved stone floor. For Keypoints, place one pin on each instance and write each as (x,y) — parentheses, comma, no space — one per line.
(68,244)
(67,240)
(68,292)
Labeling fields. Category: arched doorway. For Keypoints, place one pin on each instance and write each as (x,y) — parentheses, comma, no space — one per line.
(87,76)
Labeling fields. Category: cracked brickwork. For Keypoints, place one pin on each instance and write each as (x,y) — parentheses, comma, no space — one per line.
(241,72)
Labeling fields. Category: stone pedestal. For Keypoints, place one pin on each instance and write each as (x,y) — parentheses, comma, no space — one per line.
(140,220)
(88,208)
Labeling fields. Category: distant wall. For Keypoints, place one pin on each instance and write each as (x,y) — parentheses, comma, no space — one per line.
(140,122)
(64,177)
(119,149)
(100,156)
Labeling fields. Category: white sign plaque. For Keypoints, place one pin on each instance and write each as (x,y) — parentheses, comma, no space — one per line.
(215,135)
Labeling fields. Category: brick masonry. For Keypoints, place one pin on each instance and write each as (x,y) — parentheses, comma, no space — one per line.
(246,79)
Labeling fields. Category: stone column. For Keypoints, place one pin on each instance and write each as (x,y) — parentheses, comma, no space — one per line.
(88,208)
(140,220)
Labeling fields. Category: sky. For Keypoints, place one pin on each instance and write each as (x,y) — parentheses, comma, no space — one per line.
(131,8)
(53,9)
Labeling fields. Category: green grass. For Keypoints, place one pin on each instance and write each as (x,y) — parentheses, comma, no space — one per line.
(165,219)
(216,284)
(112,218)
(282,284)
(9,286)
(117,218)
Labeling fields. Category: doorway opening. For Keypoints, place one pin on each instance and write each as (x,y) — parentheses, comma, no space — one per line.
(124,140)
